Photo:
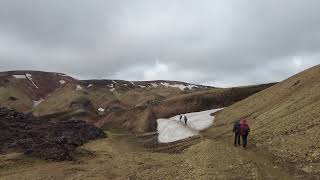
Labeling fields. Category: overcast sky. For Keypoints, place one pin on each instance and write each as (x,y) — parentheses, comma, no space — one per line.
(221,43)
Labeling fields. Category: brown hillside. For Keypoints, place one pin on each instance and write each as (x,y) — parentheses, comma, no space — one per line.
(140,119)
(44,82)
(20,89)
(69,98)
(131,105)
(143,118)
(284,119)
(205,100)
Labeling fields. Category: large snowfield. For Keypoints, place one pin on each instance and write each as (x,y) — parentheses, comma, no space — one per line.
(172,129)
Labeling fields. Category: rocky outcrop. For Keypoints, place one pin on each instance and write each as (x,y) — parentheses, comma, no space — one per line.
(44,138)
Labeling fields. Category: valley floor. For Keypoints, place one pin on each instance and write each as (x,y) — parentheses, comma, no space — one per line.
(121,157)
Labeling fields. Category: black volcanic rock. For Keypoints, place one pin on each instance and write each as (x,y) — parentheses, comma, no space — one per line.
(44,138)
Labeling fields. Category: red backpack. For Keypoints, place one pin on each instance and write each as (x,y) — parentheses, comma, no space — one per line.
(245,129)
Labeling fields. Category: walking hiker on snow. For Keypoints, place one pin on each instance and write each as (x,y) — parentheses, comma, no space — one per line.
(185,120)
(180,118)
(236,131)
(244,131)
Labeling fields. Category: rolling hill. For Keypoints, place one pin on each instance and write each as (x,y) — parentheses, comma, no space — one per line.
(117,104)
(283,143)
(284,119)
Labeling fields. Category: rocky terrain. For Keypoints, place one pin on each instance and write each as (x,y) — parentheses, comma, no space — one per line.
(43,138)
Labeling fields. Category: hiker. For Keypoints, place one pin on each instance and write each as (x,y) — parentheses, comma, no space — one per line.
(236,131)
(185,120)
(180,118)
(244,131)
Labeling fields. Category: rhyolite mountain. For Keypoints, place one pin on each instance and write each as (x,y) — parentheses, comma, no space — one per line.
(131,105)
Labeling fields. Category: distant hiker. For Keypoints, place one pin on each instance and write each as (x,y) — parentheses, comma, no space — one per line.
(236,131)
(185,120)
(180,118)
(244,131)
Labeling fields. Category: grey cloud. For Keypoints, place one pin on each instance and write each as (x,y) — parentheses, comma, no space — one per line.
(220,43)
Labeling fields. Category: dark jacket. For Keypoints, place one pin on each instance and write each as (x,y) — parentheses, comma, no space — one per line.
(236,127)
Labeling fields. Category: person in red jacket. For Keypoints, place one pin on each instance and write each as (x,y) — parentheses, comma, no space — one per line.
(244,132)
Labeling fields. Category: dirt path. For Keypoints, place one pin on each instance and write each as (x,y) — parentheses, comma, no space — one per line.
(263,162)
(121,157)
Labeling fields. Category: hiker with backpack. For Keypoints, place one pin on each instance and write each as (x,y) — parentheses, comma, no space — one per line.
(185,120)
(180,118)
(236,131)
(244,131)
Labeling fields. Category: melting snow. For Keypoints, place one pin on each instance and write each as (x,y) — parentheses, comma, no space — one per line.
(180,86)
(61,74)
(112,89)
(29,76)
(79,88)
(37,103)
(26,76)
(190,86)
(101,110)
(20,76)
(154,85)
(62,81)
(114,82)
(172,129)
(90,85)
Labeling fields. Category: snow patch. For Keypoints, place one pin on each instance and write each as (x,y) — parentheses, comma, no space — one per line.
(20,76)
(79,88)
(154,85)
(101,109)
(111,85)
(113,89)
(191,86)
(29,77)
(90,85)
(62,82)
(165,84)
(114,82)
(172,129)
(37,103)
(180,86)
(61,74)
(142,86)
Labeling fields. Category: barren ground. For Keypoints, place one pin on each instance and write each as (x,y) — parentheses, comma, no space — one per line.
(122,156)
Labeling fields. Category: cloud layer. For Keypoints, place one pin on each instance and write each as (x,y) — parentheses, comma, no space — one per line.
(221,43)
